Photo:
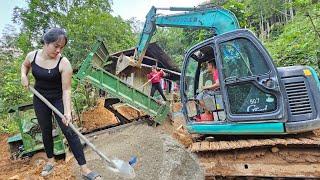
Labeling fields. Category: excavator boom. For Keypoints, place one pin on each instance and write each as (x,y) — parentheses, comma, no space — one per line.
(218,20)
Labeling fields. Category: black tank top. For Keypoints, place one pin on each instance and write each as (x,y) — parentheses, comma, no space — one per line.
(48,81)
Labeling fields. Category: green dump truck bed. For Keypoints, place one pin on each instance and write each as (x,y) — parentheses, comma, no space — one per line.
(92,71)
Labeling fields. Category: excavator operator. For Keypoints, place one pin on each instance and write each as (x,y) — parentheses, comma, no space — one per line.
(208,91)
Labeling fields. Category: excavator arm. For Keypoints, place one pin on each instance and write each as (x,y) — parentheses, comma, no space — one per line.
(217,19)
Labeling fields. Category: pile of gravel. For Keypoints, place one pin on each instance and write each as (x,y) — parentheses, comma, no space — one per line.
(159,155)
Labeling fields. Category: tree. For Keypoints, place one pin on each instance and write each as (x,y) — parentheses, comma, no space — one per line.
(8,37)
(299,43)
(84,21)
(85,25)
(173,42)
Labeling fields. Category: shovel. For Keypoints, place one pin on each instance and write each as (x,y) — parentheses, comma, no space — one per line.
(121,167)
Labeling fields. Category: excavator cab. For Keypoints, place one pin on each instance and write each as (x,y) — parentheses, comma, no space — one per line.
(254,96)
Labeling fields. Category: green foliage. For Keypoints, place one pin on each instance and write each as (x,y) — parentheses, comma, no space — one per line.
(302,3)
(299,43)
(7,124)
(176,41)
(11,91)
(276,31)
(80,96)
(172,40)
(85,31)
(295,43)
(238,8)
(24,43)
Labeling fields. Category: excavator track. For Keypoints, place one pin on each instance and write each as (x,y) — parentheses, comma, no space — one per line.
(292,156)
(251,143)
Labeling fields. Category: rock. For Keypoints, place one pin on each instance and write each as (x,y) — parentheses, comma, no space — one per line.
(16,177)
(275,149)
(159,156)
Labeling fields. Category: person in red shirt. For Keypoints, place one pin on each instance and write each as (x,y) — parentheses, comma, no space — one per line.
(213,69)
(155,77)
(207,90)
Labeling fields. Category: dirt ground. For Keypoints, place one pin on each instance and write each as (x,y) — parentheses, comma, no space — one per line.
(284,162)
(91,119)
(97,117)
(129,112)
(22,169)
(176,107)
(176,127)
(155,143)
(159,155)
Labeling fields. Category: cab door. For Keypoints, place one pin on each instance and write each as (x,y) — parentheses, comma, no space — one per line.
(248,78)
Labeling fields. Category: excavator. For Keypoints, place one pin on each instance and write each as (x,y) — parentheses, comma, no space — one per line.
(264,119)
(258,105)
(263,116)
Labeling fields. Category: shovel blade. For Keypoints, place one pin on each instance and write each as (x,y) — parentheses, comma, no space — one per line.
(123,168)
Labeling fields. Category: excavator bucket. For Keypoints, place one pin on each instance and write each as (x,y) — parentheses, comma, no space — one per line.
(123,62)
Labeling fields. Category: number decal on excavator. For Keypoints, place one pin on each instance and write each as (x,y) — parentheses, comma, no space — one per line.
(254,101)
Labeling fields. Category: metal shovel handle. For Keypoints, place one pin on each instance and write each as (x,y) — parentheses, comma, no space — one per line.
(54,109)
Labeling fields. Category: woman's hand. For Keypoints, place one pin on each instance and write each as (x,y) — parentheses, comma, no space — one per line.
(164,74)
(25,81)
(204,88)
(67,119)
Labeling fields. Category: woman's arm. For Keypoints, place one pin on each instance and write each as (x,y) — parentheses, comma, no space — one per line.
(214,86)
(216,83)
(25,68)
(162,73)
(66,78)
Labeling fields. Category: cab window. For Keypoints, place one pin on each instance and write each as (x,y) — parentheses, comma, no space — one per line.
(240,58)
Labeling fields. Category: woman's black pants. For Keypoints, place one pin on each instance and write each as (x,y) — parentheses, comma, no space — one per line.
(44,116)
(157,86)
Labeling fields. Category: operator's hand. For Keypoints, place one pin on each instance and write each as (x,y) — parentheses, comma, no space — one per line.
(67,119)
(25,81)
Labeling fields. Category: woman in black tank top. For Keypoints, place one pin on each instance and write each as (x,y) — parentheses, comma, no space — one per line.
(53,74)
